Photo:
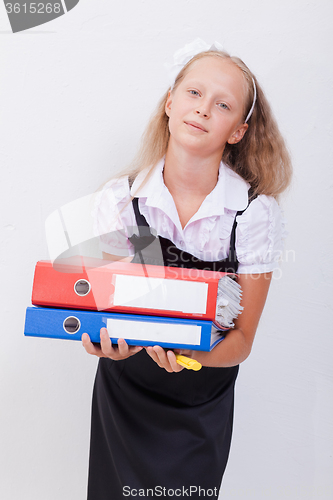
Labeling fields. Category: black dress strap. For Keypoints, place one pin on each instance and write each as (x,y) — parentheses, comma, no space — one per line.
(232,248)
(140,219)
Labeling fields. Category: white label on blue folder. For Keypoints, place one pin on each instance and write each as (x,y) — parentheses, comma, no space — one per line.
(155,293)
(154,331)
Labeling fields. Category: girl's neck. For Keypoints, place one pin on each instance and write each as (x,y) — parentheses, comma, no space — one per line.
(185,174)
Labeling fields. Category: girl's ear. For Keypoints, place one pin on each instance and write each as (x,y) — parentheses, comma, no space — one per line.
(238,134)
(168,104)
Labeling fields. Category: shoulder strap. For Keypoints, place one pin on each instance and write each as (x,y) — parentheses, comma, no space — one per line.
(140,219)
(232,247)
(251,197)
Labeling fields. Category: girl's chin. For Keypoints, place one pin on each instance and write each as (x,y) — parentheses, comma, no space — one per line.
(194,146)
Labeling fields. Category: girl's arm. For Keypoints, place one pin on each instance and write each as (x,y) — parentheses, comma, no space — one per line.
(237,344)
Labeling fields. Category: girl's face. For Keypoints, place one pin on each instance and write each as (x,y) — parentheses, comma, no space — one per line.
(206,110)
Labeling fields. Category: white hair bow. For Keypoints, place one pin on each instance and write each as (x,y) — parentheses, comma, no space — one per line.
(185,54)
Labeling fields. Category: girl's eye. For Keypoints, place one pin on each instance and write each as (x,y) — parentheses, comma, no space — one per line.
(223,105)
(194,92)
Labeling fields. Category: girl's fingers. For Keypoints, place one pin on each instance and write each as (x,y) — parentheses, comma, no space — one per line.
(106,349)
(122,351)
(106,345)
(123,348)
(156,355)
(152,354)
(173,362)
(163,359)
(89,347)
(166,360)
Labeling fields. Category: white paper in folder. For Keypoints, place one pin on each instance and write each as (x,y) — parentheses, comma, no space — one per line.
(156,293)
(154,331)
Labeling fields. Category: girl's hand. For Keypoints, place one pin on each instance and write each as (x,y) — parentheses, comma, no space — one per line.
(106,350)
(164,359)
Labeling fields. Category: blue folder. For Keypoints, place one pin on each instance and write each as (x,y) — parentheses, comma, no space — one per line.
(140,330)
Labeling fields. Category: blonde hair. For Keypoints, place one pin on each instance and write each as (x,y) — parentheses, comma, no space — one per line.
(261,157)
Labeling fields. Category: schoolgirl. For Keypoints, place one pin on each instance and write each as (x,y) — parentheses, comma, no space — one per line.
(205,184)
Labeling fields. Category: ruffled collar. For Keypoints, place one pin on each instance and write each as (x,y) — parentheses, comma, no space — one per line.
(230,192)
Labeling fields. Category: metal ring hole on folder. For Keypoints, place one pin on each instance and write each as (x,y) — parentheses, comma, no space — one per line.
(71,324)
(82,287)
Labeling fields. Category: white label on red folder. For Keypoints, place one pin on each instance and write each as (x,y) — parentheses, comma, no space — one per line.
(154,331)
(155,293)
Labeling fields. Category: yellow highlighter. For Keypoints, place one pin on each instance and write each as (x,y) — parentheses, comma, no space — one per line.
(189,363)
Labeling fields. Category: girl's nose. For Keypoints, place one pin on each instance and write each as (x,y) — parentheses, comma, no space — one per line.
(202,112)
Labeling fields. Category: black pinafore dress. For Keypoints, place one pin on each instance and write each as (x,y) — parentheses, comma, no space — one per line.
(154,431)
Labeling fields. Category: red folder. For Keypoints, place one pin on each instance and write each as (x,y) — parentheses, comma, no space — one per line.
(94,284)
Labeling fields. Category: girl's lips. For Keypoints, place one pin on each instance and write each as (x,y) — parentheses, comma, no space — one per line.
(196,125)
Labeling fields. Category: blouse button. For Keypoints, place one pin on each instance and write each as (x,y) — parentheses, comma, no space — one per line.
(181,243)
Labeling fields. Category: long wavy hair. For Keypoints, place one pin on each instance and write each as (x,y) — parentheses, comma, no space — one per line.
(261,157)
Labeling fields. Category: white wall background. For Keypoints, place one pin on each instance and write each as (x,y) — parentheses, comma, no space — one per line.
(75,95)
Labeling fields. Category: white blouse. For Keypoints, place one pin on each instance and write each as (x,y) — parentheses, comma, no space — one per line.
(259,233)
